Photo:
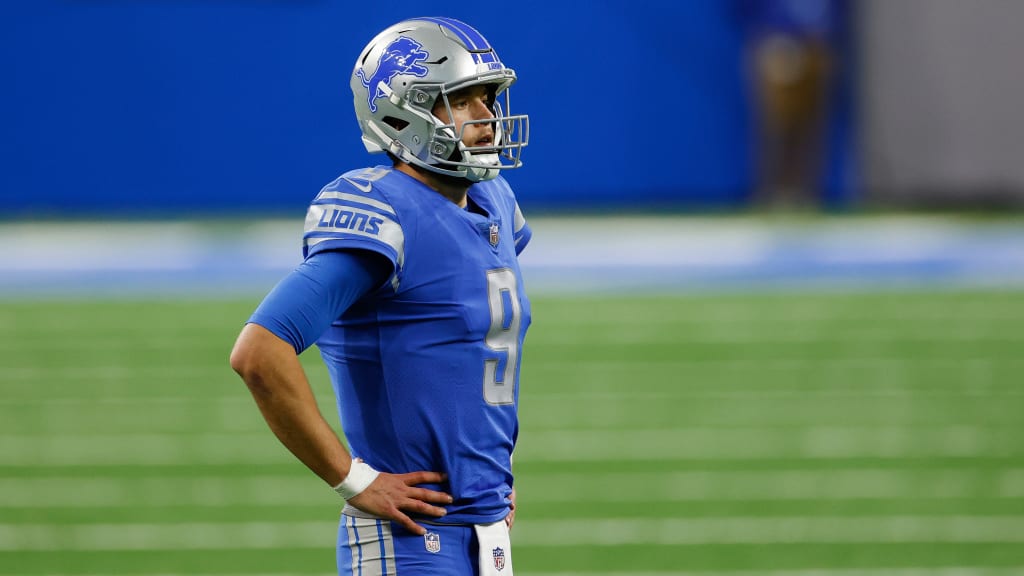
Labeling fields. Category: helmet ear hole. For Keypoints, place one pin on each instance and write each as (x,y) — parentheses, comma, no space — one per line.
(396,123)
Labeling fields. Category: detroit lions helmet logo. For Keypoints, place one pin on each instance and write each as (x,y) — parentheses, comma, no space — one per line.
(403,56)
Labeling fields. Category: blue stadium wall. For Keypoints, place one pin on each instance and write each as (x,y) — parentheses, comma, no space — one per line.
(241,107)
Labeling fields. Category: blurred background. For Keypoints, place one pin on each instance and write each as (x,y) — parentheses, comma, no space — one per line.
(777,272)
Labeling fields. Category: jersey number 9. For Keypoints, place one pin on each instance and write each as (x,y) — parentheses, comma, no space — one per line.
(502,337)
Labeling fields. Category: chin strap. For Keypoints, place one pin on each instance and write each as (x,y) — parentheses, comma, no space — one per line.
(481,173)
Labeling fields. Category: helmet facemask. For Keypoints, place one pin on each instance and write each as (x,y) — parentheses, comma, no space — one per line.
(449,154)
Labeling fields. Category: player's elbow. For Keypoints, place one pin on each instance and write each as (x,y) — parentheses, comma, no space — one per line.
(243,361)
(262,360)
(249,362)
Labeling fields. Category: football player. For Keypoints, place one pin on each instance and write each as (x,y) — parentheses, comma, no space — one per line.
(411,289)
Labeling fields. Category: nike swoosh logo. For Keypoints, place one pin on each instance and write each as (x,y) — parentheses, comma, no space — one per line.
(364,187)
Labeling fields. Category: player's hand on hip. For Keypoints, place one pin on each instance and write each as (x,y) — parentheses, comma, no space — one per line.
(394,496)
(511,518)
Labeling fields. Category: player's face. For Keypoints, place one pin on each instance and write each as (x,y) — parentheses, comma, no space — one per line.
(469,104)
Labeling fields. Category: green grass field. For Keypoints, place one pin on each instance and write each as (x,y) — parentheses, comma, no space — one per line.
(783,433)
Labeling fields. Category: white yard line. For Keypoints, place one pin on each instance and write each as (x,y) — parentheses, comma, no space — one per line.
(951,571)
(760,530)
(948,571)
(810,442)
(723,485)
(545,533)
(565,445)
(578,445)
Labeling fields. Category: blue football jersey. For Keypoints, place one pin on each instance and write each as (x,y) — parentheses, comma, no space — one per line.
(426,368)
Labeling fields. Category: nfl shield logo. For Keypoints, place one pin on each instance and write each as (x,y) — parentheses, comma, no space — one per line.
(494,234)
(499,558)
(432,541)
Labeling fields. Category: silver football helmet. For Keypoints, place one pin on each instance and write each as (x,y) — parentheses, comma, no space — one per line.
(400,76)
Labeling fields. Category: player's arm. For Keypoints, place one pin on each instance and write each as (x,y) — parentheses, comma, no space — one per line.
(299,309)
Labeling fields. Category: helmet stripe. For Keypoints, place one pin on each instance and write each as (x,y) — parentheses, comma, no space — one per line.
(469,35)
(473,38)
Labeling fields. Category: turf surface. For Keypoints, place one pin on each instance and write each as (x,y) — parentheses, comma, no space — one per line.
(776,433)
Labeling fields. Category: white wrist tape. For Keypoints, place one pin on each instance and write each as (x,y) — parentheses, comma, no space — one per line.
(360,475)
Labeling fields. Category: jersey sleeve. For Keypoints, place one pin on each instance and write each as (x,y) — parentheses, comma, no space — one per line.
(522,231)
(351,213)
(306,301)
(506,198)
